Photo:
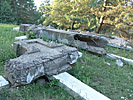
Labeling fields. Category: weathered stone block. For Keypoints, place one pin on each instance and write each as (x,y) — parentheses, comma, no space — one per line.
(24,27)
(90,42)
(38,58)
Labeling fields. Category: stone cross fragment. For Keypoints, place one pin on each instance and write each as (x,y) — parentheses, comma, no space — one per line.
(37,58)
(91,42)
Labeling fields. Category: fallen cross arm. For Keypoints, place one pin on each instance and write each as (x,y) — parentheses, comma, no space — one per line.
(86,41)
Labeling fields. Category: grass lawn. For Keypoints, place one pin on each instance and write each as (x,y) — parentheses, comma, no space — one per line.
(120,52)
(113,81)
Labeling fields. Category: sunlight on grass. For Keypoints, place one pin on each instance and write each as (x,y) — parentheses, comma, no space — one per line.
(113,81)
(120,52)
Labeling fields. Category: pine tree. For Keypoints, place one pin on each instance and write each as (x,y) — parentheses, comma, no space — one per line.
(18,11)
(6,12)
(25,11)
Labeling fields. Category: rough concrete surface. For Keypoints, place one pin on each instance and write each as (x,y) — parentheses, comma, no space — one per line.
(38,58)
(118,42)
(90,42)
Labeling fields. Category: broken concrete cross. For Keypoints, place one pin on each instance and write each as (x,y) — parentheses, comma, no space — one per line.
(38,58)
(90,42)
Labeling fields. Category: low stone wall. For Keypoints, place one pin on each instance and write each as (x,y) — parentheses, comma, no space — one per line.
(90,42)
(38,58)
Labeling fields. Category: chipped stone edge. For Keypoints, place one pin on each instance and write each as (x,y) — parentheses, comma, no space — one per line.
(21,37)
(78,89)
(3,83)
(117,46)
(113,56)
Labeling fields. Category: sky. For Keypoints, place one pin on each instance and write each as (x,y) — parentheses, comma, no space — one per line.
(38,2)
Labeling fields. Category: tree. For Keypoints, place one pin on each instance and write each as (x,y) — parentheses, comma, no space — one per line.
(45,8)
(102,17)
(6,12)
(25,11)
(118,15)
(19,11)
(115,15)
(72,14)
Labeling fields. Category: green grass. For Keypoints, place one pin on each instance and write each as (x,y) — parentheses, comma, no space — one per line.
(49,91)
(113,81)
(120,52)
(6,40)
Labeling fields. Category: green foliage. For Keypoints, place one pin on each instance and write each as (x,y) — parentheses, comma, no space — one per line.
(6,12)
(86,14)
(18,11)
(118,16)
(46,19)
(72,14)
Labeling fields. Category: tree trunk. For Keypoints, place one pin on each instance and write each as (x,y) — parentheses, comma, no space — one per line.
(102,18)
(72,25)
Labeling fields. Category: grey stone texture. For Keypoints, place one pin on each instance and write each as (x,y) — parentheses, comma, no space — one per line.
(91,42)
(37,58)
(24,27)
(118,42)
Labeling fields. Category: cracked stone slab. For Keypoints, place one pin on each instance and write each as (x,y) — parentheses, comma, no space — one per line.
(87,41)
(37,58)
(118,42)
(3,82)
(77,88)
